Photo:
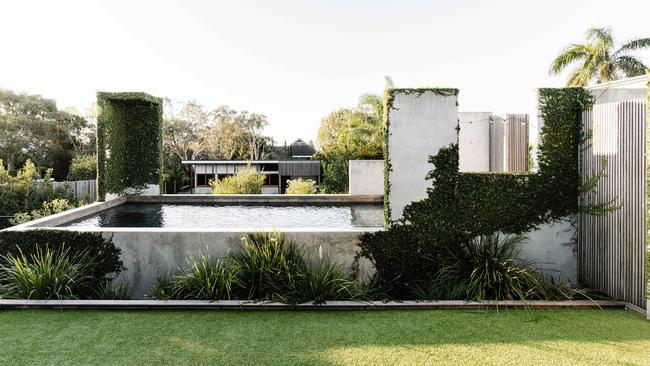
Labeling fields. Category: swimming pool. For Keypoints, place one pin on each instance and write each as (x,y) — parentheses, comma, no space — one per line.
(256,216)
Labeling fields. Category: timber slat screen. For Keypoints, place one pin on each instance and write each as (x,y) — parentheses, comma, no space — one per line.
(611,247)
(509,143)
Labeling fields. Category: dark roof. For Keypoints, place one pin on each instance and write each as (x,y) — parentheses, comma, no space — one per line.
(301,148)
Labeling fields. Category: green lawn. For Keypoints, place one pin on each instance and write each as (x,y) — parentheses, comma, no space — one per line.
(400,337)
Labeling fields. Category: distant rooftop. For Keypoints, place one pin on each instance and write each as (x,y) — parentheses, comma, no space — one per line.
(301,148)
(637,82)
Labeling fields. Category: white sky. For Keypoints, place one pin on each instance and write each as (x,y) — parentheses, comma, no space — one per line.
(295,61)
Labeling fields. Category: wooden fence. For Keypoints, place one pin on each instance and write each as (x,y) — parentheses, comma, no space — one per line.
(611,247)
(81,189)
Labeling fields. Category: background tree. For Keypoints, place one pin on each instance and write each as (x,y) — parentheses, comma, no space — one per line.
(598,59)
(31,127)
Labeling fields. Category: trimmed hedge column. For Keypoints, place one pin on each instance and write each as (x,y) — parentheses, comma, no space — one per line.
(419,122)
(129,142)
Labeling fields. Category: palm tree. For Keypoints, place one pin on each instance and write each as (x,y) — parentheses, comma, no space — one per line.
(597,59)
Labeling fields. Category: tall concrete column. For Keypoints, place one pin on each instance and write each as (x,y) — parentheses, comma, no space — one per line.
(420,122)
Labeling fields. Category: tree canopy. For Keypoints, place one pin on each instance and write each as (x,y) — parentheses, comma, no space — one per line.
(599,60)
(31,127)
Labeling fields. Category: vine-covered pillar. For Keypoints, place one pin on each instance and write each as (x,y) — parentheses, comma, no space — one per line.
(129,144)
(419,122)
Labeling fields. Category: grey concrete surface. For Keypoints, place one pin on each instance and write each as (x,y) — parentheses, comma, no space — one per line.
(553,250)
(420,124)
(366,177)
(474,141)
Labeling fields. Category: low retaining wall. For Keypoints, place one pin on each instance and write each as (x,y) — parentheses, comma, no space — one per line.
(148,253)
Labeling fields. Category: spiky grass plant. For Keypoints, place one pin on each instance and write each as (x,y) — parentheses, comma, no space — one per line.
(46,274)
(111,291)
(489,268)
(270,267)
(206,278)
(325,280)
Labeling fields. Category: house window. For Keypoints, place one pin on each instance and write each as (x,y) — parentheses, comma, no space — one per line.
(202,180)
(271,180)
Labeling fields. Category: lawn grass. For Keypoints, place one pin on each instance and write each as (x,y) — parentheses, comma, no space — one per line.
(399,337)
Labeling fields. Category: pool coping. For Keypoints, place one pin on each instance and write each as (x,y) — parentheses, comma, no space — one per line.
(329,305)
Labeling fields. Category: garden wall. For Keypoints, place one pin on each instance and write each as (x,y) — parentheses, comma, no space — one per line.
(420,122)
(474,141)
(148,253)
(366,177)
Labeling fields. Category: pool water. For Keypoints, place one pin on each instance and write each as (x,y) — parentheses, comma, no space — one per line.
(164,215)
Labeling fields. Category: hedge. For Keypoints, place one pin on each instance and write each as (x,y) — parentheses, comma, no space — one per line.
(129,142)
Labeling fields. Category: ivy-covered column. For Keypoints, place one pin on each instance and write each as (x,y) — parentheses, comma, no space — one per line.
(419,122)
(129,143)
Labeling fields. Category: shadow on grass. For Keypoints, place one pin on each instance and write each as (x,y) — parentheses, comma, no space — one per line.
(326,337)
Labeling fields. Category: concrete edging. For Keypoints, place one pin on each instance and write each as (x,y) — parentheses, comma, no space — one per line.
(330,305)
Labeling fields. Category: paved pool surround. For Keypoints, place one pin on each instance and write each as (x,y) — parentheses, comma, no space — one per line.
(148,253)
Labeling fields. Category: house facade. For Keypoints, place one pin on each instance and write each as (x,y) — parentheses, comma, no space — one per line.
(278,172)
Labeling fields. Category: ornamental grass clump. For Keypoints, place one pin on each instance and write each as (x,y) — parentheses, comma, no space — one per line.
(488,268)
(301,186)
(325,280)
(246,181)
(46,274)
(207,278)
(270,267)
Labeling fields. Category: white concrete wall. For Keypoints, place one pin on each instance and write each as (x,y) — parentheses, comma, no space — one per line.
(366,177)
(552,250)
(474,141)
(420,124)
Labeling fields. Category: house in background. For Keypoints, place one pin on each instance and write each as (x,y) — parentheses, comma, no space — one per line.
(299,165)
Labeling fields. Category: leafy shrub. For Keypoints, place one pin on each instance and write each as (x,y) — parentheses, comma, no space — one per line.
(105,255)
(23,193)
(83,167)
(246,181)
(46,274)
(488,268)
(335,171)
(301,186)
(270,267)
(206,279)
(48,208)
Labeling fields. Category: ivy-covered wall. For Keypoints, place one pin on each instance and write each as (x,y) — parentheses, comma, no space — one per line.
(129,142)
(461,206)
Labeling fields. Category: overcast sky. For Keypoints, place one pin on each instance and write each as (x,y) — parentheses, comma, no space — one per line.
(295,61)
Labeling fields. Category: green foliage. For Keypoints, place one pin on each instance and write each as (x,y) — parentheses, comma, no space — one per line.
(83,167)
(301,186)
(488,268)
(48,208)
(324,280)
(599,60)
(267,267)
(270,267)
(246,181)
(103,252)
(109,291)
(206,279)
(32,128)
(45,274)
(462,206)
(129,142)
(22,193)
(335,168)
